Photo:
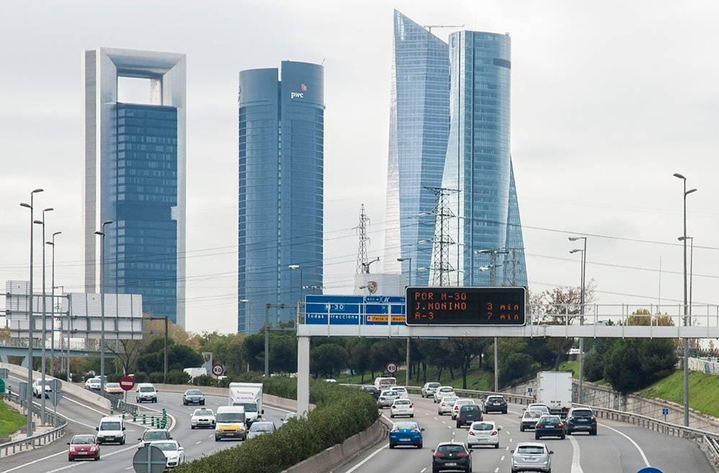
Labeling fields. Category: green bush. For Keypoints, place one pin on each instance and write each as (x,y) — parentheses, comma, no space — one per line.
(340,413)
(157,377)
(141,377)
(204,380)
(177,377)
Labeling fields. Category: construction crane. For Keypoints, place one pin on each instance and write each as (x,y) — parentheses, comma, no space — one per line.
(429,27)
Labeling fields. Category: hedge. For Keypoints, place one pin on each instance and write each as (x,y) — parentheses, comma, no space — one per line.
(340,413)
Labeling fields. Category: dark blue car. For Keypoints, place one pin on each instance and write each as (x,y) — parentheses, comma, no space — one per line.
(405,433)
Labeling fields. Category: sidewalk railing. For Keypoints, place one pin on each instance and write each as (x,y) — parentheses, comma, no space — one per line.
(39,440)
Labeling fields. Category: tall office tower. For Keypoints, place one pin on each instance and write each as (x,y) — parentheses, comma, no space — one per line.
(135,177)
(419,125)
(479,164)
(281,151)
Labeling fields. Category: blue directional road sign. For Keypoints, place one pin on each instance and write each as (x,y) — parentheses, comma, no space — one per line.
(354,310)
(665,411)
(650,469)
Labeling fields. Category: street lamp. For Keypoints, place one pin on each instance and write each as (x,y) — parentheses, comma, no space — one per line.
(409,260)
(294,267)
(686,340)
(52,305)
(102,305)
(492,270)
(43,417)
(691,274)
(247,314)
(582,296)
(30,320)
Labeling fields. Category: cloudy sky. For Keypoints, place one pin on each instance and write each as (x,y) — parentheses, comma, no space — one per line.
(609,99)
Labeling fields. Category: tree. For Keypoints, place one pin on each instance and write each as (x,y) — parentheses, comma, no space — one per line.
(359,357)
(633,364)
(464,351)
(328,359)
(644,318)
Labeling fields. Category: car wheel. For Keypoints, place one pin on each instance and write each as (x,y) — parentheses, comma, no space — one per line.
(97,458)
(459,425)
(537,437)
(122,442)
(419,446)
(391,445)
(202,403)
(69,458)
(217,439)
(192,427)
(504,411)
(392,416)
(593,432)
(521,428)
(562,437)
(411,415)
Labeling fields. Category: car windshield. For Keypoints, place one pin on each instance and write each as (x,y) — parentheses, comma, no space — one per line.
(147,389)
(249,406)
(495,398)
(83,440)
(262,427)
(231,417)
(446,390)
(110,426)
(156,435)
(165,446)
(530,449)
(462,402)
(470,408)
(406,425)
(449,399)
(582,413)
(194,392)
(389,393)
(450,448)
(399,388)
(401,402)
(533,414)
(549,420)
(112,385)
(202,412)
(482,426)
(432,385)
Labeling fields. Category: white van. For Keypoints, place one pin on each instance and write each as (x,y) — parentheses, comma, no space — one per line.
(145,392)
(230,422)
(111,429)
(383,383)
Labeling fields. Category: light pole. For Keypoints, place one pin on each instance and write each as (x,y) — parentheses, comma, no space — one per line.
(492,272)
(581,311)
(43,417)
(409,261)
(294,267)
(686,340)
(30,317)
(409,283)
(102,304)
(247,314)
(52,305)
(691,274)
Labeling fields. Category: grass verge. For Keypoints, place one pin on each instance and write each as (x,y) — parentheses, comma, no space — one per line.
(702,391)
(10,420)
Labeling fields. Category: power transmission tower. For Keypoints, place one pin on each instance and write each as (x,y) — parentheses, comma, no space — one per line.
(362,263)
(441,267)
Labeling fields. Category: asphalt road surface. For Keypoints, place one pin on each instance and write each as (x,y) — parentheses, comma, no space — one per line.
(118,458)
(616,448)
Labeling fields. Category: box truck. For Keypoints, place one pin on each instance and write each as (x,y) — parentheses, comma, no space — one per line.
(249,396)
(554,388)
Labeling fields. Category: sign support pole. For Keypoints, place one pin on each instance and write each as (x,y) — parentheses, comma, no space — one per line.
(303,375)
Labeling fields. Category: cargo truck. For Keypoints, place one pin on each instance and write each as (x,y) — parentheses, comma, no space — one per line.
(554,388)
(249,396)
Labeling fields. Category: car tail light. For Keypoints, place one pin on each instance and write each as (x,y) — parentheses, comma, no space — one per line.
(462,454)
(411,405)
(438,455)
(560,425)
(538,426)
(494,432)
(395,430)
(382,398)
(471,433)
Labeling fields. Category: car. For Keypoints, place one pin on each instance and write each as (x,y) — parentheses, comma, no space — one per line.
(540,407)
(401,390)
(495,403)
(385,382)
(531,456)
(37,389)
(230,421)
(113,388)
(202,418)
(451,456)
(401,407)
(405,433)
(467,414)
(174,453)
(483,433)
(549,426)
(192,396)
(386,398)
(441,392)
(145,392)
(371,389)
(459,403)
(111,429)
(429,389)
(153,435)
(445,405)
(260,428)
(289,417)
(83,446)
(93,383)
(529,419)
(581,419)
(330,380)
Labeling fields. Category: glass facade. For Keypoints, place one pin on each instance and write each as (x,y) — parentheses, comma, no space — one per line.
(281,153)
(419,126)
(140,195)
(478,162)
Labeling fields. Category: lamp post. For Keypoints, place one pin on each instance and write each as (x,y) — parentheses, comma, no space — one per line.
(493,252)
(581,310)
(247,314)
(52,305)
(102,304)
(295,267)
(686,340)
(30,318)
(43,416)
(691,274)
(409,283)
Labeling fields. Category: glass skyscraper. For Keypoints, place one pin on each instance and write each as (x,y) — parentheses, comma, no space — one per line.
(281,153)
(478,164)
(419,125)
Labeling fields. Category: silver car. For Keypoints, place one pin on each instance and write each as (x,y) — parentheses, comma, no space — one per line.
(531,456)
(260,428)
(387,397)
(429,389)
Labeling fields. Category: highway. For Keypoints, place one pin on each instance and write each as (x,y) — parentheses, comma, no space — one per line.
(616,448)
(118,458)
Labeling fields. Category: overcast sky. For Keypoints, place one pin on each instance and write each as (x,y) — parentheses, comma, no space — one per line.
(609,99)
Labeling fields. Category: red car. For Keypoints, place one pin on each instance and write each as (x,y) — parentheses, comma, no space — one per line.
(83,446)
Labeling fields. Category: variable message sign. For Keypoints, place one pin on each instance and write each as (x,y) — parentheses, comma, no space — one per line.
(465,306)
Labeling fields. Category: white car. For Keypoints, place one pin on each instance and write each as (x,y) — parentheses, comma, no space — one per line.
(443,391)
(401,390)
(538,407)
(429,389)
(402,407)
(459,403)
(202,417)
(93,383)
(483,433)
(174,453)
(260,428)
(445,405)
(145,392)
(37,389)
(386,398)
(111,429)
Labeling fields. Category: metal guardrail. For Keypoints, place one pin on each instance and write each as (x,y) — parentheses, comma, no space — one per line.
(520,399)
(711,449)
(38,440)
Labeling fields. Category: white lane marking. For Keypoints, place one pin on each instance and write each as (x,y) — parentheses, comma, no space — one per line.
(366,459)
(35,461)
(423,470)
(576,465)
(104,455)
(198,442)
(129,468)
(496,470)
(641,452)
(502,459)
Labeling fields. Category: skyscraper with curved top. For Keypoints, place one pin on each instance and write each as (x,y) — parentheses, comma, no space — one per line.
(419,124)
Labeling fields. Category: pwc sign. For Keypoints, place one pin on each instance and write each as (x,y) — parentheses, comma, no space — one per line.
(300,94)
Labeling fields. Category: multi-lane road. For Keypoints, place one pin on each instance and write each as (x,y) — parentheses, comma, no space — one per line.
(616,448)
(83,418)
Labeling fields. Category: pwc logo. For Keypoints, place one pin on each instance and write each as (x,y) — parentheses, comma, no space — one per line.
(300,94)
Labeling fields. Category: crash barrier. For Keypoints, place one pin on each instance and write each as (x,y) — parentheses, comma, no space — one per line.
(267,399)
(511,398)
(39,440)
